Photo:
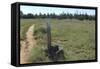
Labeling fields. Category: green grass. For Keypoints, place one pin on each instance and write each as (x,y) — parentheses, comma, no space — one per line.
(24,25)
(76,37)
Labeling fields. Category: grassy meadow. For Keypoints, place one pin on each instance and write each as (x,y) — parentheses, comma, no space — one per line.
(76,37)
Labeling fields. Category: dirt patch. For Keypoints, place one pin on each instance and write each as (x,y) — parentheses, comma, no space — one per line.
(27,45)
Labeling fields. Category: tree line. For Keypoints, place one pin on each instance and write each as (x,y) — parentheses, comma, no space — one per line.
(60,16)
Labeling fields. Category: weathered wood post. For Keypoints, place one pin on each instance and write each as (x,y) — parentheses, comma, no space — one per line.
(49,35)
(50,52)
(54,52)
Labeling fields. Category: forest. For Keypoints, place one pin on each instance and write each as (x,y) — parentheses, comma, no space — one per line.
(60,16)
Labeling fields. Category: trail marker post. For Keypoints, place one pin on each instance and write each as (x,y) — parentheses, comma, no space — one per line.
(54,52)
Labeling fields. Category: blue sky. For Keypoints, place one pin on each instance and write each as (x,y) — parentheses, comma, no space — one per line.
(45,10)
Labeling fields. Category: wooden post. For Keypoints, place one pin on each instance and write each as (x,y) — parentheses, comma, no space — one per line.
(54,53)
(49,35)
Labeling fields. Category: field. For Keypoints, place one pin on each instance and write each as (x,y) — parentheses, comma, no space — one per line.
(77,38)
